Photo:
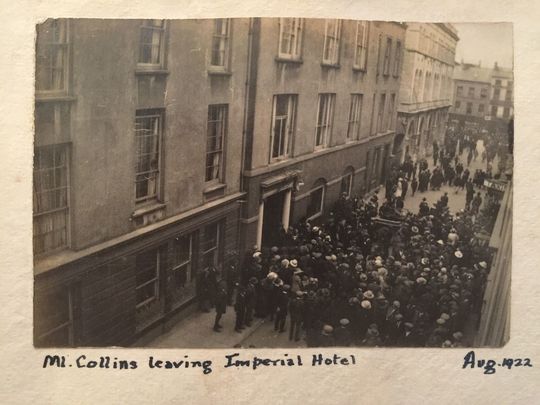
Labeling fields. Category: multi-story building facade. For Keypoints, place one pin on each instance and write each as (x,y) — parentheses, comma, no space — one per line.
(494,324)
(482,98)
(425,94)
(471,96)
(137,176)
(322,118)
(164,148)
(502,98)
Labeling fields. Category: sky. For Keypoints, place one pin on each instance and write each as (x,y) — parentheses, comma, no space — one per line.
(485,42)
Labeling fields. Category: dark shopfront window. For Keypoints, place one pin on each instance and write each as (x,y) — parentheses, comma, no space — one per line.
(55,317)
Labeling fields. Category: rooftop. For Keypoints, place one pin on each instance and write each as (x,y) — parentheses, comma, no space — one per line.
(476,73)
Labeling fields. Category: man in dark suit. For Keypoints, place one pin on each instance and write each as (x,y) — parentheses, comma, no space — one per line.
(342,334)
(282,308)
(221,304)
(296,310)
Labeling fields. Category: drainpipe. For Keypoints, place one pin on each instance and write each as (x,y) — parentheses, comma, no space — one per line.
(249,108)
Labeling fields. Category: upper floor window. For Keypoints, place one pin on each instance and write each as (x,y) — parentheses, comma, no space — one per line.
(386,62)
(148,124)
(508,96)
(283,125)
(355,116)
(332,37)
(151,48)
(498,82)
(215,139)
(51,199)
(290,38)
(220,43)
(391,107)
(427,86)
(361,46)
(471,92)
(52,57)
(397,59)
(380,113)
(483,93)
(457,105)
(481,108)
(379,44)
(469,108)
(496,94)
(459,90)
(325,118)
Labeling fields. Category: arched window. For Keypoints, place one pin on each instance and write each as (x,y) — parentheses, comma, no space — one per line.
(315,206)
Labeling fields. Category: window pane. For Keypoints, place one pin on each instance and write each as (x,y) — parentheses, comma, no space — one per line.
(315,202)
(216,133)
(50,198)
(151,38)
(220,43)
(51,55)
(146,276)
(147,141)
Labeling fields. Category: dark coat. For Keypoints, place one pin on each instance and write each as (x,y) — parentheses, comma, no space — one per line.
(221,301)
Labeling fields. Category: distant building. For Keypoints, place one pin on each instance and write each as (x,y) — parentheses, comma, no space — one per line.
(164,148)
(425,94)
(502,98)
(482,98)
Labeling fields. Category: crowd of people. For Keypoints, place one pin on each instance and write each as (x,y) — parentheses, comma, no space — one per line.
(351,281)
(370,275)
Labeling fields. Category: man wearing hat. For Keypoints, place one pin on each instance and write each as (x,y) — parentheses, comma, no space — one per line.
(296,310)
(326,338)
(221,304)
(286,272)
(342,334)
(251,299)
(282,308)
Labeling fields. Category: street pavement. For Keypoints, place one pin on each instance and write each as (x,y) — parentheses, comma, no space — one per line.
(456,201)
(195,331)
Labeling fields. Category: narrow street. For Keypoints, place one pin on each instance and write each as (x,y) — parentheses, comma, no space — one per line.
(196,328)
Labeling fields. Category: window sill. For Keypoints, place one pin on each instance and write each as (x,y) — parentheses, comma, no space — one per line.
(320,148)
(147,209)
(156,71)
(43,98)
(330,65)
(219,72)
(287,60)
(278,160)
(213,187)
(359,70)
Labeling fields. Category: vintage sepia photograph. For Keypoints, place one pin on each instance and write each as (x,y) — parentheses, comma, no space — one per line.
(272,183)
